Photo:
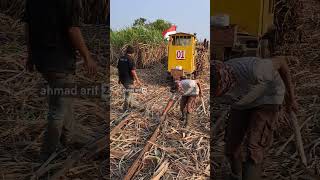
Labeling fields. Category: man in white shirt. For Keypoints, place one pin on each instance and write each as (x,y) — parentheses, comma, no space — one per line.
(255,88)
(190,89)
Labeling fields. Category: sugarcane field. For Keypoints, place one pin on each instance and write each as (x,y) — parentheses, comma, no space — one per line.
(294,153)
(24,110)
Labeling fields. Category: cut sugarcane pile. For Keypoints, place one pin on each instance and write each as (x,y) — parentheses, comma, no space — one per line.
(175,152)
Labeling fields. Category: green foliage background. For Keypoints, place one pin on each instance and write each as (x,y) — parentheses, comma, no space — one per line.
(140,32)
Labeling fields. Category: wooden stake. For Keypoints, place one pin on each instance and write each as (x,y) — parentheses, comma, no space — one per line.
(203,106)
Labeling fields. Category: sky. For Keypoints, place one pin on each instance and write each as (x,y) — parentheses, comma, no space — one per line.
(190,16)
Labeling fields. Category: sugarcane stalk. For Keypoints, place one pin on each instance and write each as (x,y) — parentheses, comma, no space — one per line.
(203,106)
(298,137)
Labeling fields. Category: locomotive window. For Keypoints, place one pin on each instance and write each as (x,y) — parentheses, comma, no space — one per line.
(181,41)
(173,39)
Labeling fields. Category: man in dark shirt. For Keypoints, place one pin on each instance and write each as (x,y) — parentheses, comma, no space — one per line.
(128,76)
(53,36)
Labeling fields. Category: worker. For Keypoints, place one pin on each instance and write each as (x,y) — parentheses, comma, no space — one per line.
(52,37)
(190,90)
(128,76)
(255,88)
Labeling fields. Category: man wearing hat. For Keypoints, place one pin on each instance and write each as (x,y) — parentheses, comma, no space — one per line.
(128,76)
(190,89)
(255,88)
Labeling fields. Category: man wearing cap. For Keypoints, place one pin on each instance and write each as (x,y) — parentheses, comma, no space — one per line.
(190,89)
(128,76)
(255,88)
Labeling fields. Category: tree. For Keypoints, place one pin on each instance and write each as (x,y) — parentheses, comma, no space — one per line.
(160,25)
(139,22)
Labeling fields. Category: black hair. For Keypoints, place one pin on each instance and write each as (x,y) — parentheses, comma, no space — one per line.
(270,36)
(129,50)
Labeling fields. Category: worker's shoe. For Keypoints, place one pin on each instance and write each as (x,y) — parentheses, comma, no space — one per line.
(251,171)
(124,108)
(127,105)
(44,156)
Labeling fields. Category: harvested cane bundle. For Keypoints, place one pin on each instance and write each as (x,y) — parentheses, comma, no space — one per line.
(285,20)
(202,59)
(96,37)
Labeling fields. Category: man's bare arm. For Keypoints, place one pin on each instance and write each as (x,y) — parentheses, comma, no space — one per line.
(200,89)
(78,41)
(79,44)
(254,93)
(280,64)
(135,76)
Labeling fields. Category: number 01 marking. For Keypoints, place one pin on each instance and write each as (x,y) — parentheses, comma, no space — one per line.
(180,54)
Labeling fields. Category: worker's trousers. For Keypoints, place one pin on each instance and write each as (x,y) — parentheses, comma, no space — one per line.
(128,96)
(258,125)
(187,103)
(60,117)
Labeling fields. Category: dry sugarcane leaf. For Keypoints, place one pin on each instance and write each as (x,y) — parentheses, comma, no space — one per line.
(161,170)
